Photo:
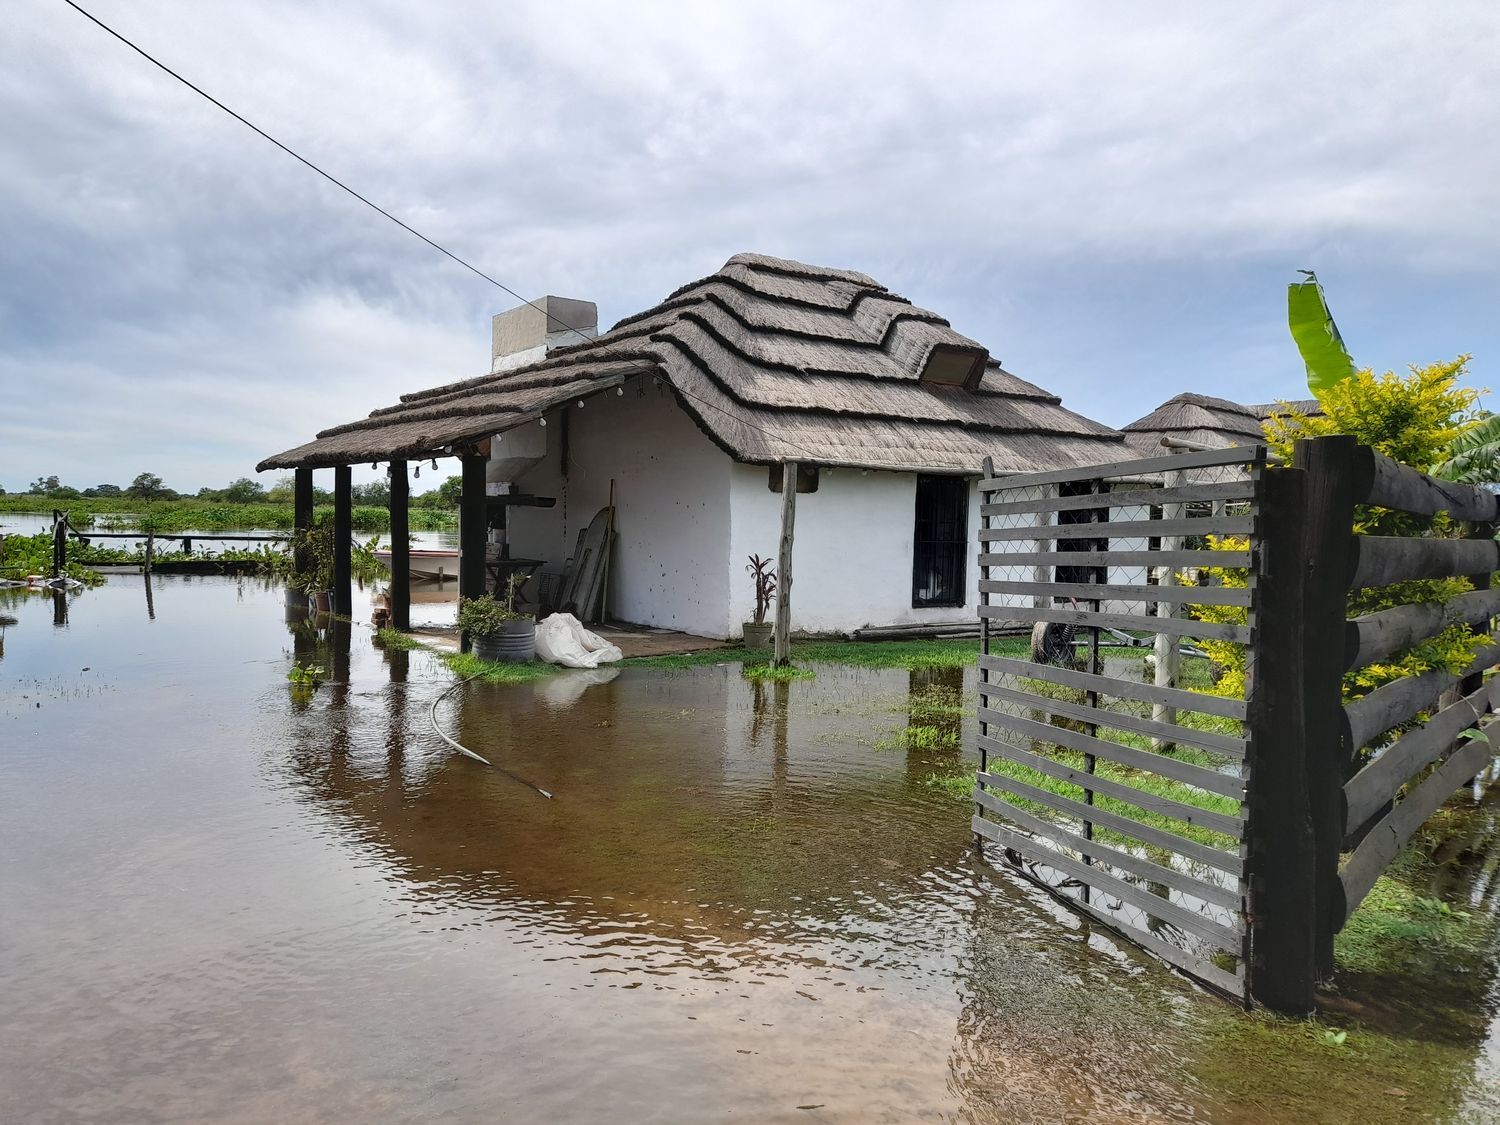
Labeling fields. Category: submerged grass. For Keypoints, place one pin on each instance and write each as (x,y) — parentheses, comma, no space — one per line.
(931,653)
(466,664)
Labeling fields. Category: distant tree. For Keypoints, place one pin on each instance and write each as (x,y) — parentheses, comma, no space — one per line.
(104,490)
(44,486)
(445,495)
(147,486)
(243,491)
(64,492)
(283,491)
(377,493)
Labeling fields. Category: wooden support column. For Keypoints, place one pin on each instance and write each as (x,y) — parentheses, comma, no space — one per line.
(400,547)
(1332,467)
(1282,876)
(473,531)
(783,650)
(302,515)
(343,531)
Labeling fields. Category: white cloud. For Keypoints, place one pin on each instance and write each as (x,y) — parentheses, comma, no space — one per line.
(1110,196)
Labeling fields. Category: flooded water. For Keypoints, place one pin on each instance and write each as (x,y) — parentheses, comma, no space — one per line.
(220,900)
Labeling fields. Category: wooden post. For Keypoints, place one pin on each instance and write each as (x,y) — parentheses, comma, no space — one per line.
(1331,464)
(473,531)
(343,531)
(59,542)
(1168,648)
(1283,886)
(783,652)
(400,547)
(302,517)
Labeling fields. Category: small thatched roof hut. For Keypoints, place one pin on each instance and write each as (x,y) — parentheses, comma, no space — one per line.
(775,361)
(1214,423)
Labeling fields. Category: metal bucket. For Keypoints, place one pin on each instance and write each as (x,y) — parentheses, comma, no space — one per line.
(515,643)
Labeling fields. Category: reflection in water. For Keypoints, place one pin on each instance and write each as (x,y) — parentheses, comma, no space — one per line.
(747,897)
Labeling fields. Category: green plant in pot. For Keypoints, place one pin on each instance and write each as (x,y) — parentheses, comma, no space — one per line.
(495,629)
(758,632)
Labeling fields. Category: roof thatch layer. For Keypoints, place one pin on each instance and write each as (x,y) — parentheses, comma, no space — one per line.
(776,361)
(1216,423)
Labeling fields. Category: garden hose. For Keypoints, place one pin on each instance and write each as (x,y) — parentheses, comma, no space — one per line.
(462,749)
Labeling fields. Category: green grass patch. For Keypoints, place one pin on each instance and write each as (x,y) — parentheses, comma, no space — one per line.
(466,665)
(781,674)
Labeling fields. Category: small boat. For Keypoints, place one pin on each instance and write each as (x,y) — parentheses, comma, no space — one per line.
(427,566)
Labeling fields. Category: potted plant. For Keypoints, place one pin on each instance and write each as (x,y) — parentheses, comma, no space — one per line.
(494,627)
(758,632)
(315,545)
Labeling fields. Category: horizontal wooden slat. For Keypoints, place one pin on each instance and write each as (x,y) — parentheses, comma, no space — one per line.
(1216,893)
(1143,623)
(1226,744)
(1135,498)
(1226,785)
(1394,703)
(1120,689)
(1089,591)
(1378,782)
(1201,853)
(1127,469)
(1190,921)
(1123,529)
(1384,841)
(1378,636)
(1403,488)
(1231,826)
(1380,560)
(1179,560)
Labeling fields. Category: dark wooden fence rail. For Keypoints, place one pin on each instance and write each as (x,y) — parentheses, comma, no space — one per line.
(1326,793)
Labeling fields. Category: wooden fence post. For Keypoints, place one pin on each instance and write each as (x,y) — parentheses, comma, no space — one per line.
(783,636)
(1283,886)
(1334,480)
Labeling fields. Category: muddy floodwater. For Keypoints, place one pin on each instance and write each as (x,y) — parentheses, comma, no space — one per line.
(221,900)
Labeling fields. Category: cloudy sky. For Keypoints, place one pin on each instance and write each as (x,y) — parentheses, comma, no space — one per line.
(1111,197)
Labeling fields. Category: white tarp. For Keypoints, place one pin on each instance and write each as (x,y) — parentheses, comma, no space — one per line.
(562,639)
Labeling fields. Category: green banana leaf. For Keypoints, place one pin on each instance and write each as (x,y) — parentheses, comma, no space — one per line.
(1317,336)
(1474,456)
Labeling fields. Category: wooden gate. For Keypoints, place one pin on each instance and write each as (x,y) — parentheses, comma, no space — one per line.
(1202,804)
(1124,793)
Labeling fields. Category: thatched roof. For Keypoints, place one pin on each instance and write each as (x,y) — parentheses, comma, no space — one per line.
(776,361)
(1216,423)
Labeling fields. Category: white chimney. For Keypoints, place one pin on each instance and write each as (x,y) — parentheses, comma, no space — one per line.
(527,333)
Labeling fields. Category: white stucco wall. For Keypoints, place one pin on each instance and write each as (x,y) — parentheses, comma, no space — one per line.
(672,495)
(852,552)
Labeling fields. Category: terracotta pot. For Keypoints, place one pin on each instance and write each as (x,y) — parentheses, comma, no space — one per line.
(322,601)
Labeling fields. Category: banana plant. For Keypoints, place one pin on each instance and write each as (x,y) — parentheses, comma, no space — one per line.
(1474,456)
(1317,337)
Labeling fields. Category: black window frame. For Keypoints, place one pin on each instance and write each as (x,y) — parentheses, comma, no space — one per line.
(940,542)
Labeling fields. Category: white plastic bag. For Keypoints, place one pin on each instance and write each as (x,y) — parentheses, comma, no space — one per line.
(562,639)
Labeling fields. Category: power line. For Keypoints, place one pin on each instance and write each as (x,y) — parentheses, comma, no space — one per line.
(338,183)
